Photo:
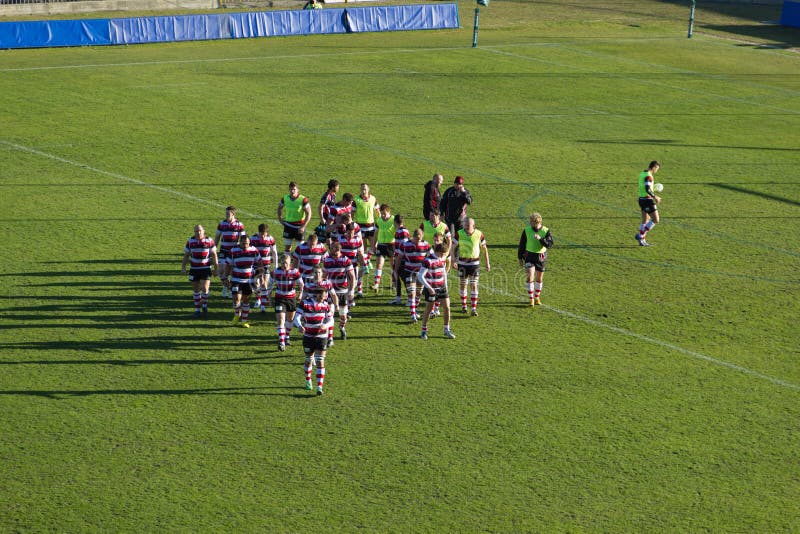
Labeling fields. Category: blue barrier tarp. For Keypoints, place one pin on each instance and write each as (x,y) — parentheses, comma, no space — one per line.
(790,15)
(138,30)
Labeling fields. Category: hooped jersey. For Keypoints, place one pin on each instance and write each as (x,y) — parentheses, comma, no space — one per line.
(285,282)
(313,316)
(351,246)
(199,252)
(229,234)
(265,245)
(308,257)
(435,271)
(401,235)
(337,271)
(245,261)
(414,254)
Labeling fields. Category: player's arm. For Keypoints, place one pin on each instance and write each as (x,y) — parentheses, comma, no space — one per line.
(351,279)
(467,196)
(186,256)
(523,243)
(486,255)
(300,285)
(280,211)
(306,214)
(421,278)
(218,239)
(214,260)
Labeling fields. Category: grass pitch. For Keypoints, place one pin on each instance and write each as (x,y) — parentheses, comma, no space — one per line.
(657,389)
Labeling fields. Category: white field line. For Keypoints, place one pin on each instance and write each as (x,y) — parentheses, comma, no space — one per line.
(593,322)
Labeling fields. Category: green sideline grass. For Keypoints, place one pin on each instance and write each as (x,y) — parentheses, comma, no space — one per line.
(656,390)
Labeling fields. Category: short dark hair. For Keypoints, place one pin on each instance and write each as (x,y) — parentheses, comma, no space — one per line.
(398,219)
(383,207)
(231,208)
(332,184)
(653,164)
(262,227)
(347,197)
(292,184)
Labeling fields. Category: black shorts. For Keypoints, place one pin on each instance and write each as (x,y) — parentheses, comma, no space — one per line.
(408,277)
(284,305)
(224,256)
(648,204)
(385,249)
(536,260)
(367,230)
(290,232)
(313,344)
(469,271)
(201,273)
(455,226)
(438,294)
(322,233)
(241,287)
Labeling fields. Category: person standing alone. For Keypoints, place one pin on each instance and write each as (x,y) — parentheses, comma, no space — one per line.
(648,202)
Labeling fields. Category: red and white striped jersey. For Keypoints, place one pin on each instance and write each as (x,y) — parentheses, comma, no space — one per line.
(336,210)
(413,254)
(337,270)
(401,235)
(351,247)
(435,271)
(285,282)
(229,234)
(244,261)
(199,252)
(313,316)
(308,257)
(339,231)
(265,246)
(322,285)
(328,200)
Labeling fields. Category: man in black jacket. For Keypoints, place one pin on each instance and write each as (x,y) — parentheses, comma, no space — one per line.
(454,205)
(432,196)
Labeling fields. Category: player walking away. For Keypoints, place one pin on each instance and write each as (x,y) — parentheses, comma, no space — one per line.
(318,282)
(648,202)
(294,212)
(353,248)
(311,319)
(385,243)
(365,207)
(411,255)
(401,235)
(433,278)
(246,267)
(287,281)
(327,201)
(229,230)
(200,254)
(433,226)
(308,255)
(339,270)
(467,247)
(432,196)
(266,246)
(454,205)
(532,253)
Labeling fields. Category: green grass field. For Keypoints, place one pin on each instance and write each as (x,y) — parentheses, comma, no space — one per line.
(658,389)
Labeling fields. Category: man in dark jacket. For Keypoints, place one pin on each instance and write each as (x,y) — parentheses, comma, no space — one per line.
(432,196)
(453,206)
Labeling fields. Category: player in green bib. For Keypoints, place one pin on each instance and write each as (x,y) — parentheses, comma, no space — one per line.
(648,202)
(365,206)
(294,212)
(385,247)
(532,254)
(468,243)
(433,226)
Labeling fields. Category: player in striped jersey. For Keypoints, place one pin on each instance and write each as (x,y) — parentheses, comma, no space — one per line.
(353,248)
(385,243)
(401,235)
(327,201)
(321,282)
(229,230)
(308,255)
(468,244)
(294,213)
(432,276)
(200,254)
(311,319)
(266,246)
(411,255)
(287,282)
(339,270)
(246,266)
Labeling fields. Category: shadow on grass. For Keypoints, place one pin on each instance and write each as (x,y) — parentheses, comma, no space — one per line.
(250,360)
(68,394)
(759,194)
(174,343)
(672,142)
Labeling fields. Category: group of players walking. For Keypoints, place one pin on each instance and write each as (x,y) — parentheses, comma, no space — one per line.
(318,277)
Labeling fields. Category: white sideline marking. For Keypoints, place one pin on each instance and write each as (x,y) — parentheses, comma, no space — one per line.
(123,177)
(666,345)
(565,313)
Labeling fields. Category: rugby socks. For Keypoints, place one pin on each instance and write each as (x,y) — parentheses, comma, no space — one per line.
(473,299)
(198,301)
(537,289)
(412,302)
(288,332)
(530,291)
(204,300)
(462,292)
(308,367)
(378,274)
(245,312)
(281,335)
(320,360)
